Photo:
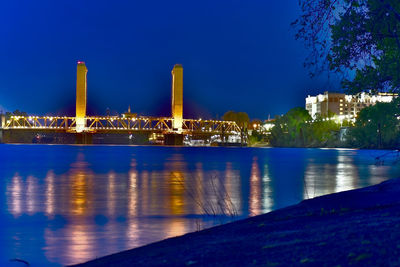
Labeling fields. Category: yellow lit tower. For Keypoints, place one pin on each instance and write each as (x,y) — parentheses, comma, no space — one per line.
(81,94)
(177,97)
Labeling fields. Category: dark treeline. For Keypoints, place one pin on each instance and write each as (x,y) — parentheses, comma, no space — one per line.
(375,127)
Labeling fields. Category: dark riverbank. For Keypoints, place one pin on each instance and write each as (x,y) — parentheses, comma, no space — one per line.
(357,227)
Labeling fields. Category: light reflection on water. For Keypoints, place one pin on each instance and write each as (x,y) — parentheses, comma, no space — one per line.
(69,204)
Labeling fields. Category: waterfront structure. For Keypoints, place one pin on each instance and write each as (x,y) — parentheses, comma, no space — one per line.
(85,127)
(81,96)
(177,97)
(343,105)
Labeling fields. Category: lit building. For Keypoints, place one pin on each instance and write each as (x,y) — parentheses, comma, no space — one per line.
(268,125)
(81,94)
(342,104)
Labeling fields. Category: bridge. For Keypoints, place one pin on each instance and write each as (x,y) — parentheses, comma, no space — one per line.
(84,127)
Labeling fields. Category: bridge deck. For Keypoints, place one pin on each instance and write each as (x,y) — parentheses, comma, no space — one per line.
(115,123)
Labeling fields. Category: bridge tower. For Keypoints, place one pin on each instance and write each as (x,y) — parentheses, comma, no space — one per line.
(177,97)
(81,95)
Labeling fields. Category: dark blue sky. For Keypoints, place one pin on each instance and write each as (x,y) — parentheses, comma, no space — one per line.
(236,55)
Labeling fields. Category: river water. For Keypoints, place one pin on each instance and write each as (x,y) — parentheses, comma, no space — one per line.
(69,204)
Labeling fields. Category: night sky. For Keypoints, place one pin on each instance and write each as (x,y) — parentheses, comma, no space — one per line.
(236,55)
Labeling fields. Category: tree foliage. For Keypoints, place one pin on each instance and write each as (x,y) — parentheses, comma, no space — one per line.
(297,129)
(16,112)
(376,127)
(356,38)
(242,120)
(289,128)
(323,131)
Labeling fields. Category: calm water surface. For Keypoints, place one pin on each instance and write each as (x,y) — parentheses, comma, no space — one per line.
(69,204)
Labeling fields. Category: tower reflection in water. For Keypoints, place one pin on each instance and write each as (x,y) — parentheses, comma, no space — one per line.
(95,201)
(75,237)
(97,214)
(255,189)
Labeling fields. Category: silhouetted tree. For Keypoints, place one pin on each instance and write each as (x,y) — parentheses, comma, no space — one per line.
(242,120)
(359,39)
(15,113)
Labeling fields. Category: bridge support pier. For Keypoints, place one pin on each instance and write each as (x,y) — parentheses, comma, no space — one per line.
(84,138)
(173,139)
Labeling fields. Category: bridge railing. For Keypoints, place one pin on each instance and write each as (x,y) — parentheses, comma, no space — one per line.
(212,126)
(116,123)
(39,122)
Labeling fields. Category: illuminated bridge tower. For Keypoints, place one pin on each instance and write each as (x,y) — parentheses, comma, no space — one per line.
(81,94)
(177,97)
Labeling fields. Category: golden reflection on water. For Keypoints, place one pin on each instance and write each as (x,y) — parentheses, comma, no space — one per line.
(76,242)
(232,182)
(175,227)
(50,194)
(198,193)
(31,194)
(15,196)
(93,212)
(144,191)
(111,197)
(80,185)
(255,189)
(76,199)
(79,192)
(175,171)
(133,191)
(176,192)
(132,232)
(80,244)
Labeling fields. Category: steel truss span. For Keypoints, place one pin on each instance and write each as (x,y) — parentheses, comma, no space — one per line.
(114,123)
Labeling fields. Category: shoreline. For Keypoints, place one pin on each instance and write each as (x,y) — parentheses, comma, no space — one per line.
(358,227)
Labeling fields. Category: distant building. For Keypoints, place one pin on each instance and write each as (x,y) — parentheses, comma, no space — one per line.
(129,114)
(342,104)
(268,125)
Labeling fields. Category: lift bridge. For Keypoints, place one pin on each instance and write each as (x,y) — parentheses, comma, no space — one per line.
(173,129)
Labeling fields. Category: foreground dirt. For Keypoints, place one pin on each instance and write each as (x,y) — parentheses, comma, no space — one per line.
(358,228)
